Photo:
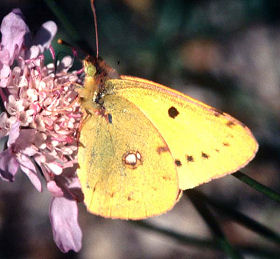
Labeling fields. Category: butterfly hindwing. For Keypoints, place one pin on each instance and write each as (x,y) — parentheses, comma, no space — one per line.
(126,168)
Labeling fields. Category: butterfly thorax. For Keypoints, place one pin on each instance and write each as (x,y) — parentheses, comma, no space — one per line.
(97,72)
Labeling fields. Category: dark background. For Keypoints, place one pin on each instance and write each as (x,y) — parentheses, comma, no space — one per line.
(225,53)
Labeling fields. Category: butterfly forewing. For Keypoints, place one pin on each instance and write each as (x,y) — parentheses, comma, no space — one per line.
(204,142)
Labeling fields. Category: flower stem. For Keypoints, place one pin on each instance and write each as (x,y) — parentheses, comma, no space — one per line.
(257,186)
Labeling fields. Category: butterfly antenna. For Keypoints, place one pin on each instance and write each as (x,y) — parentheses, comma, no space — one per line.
(95,26)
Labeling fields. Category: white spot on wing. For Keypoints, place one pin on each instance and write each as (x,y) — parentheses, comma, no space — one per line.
(138,156)
(131,159)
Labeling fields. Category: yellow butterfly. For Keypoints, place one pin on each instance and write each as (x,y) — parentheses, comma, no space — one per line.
(141,143)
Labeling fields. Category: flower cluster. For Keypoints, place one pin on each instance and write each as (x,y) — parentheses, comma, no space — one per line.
(40,122)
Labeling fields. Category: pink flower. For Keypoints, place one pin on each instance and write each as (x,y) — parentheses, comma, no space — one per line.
(41,121)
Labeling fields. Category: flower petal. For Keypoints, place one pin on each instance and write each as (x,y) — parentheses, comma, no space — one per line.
(45,35)
(25,141)
(29,169)
(14,133)
(54,189)
(8,165)
(67,233)
(55,167)
(4,124)
(70,184)
(65,63)
(4,59)
(13,29)
(4,74)
(33,52)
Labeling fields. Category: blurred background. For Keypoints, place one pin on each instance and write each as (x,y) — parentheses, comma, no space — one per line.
(224,53)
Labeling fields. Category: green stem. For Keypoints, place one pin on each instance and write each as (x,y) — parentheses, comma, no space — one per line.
(241,218)
(257,186)
(212,224)
(253,250)
(195,241)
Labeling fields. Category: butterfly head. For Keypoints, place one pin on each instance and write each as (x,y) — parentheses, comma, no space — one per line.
(89,66)
(97,72)
(96,67)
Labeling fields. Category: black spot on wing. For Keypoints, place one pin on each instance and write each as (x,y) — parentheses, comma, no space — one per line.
(173,112)
(178,162)
(230,124)
(204,155)
(130,196)
(217,112)
(189,158)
